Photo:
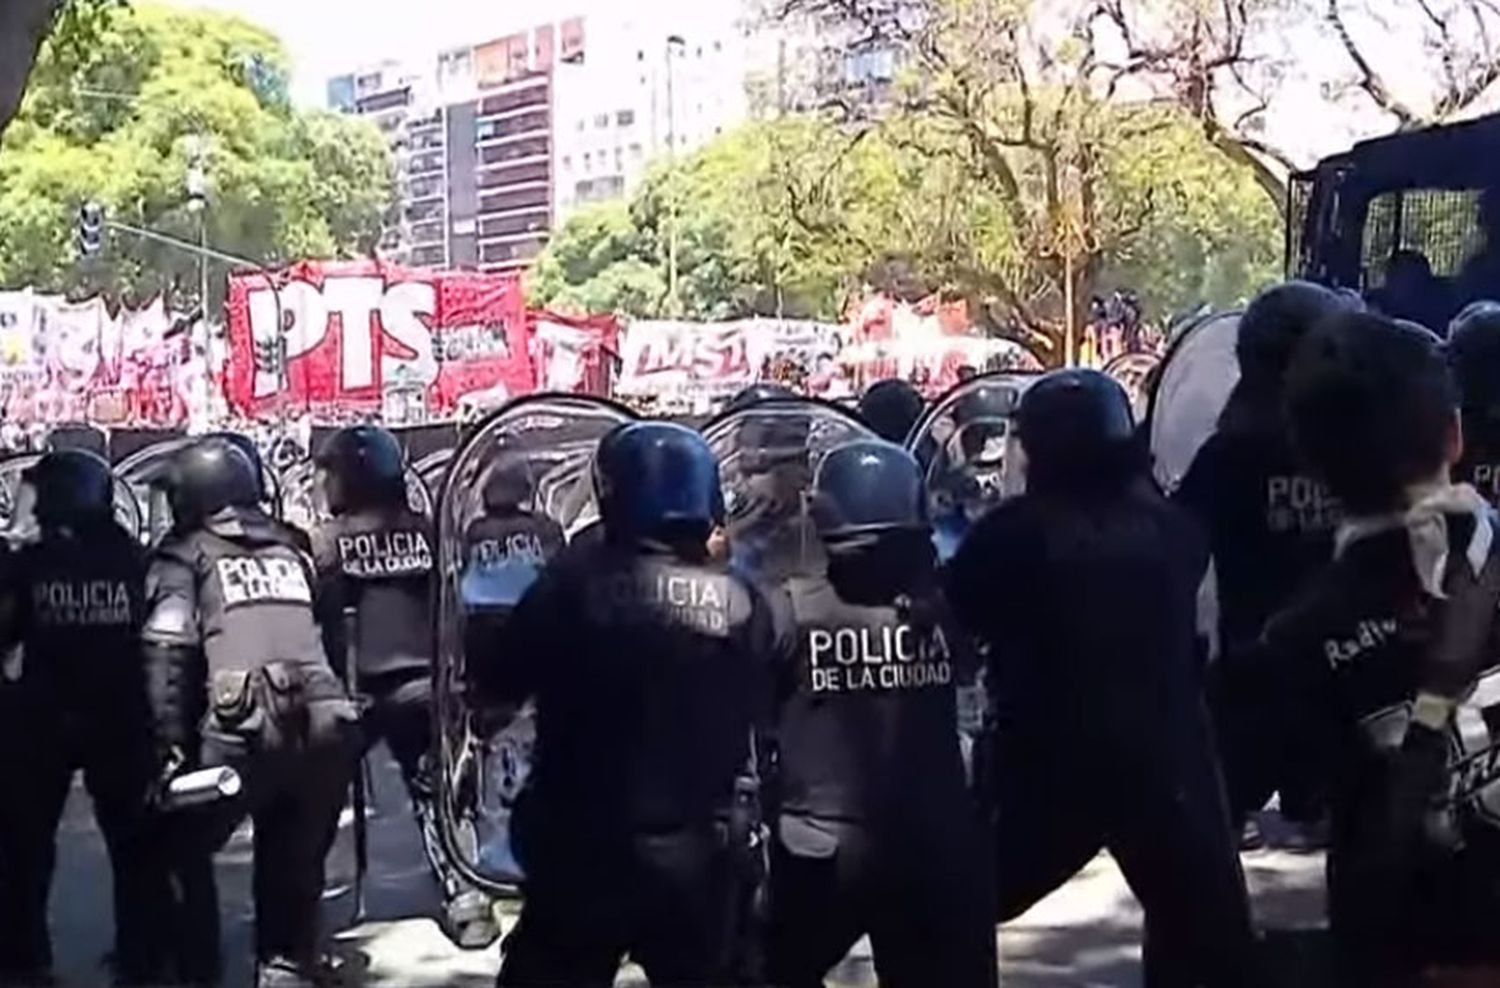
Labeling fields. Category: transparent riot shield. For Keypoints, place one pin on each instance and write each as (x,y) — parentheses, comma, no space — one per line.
(433,468)
(18,502)
(1196,378)
(144,470)
(767,456)
(1192,387)
(967,446)
(303,503)
(534,455)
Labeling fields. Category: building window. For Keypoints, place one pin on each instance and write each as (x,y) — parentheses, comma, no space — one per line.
(637,152)
(568,162)
(718,46)
(580,126)
(588,161)
(643,80)
(640,56)
(619,158)
(625,118)
(601,121)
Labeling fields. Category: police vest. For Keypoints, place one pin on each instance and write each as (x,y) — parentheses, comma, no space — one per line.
(382,566)
(870,732)
(255,600)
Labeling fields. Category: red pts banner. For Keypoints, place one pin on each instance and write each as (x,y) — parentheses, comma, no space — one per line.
(340,335)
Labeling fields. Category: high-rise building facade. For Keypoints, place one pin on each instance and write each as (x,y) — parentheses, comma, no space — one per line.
(498,142)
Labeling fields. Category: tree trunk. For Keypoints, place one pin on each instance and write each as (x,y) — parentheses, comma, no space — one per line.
(23,27)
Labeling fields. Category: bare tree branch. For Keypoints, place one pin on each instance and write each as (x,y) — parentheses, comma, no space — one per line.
(1370,81)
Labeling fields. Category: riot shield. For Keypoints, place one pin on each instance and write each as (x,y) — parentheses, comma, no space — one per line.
(433,468)
(967,446)
(143,471)
(18,502)
(1192,387)
(537,452)
(767,456)
(303,504)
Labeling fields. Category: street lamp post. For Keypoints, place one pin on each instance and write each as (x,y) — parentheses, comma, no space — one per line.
(674,41)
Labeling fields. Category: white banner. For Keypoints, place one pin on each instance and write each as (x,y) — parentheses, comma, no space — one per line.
(667,358)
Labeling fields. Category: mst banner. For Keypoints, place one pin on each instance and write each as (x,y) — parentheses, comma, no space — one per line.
(349,332)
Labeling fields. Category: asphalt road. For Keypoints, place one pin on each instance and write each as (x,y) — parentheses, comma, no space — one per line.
(1086,935)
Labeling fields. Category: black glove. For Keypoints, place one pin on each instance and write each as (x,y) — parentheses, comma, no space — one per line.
(1415,784)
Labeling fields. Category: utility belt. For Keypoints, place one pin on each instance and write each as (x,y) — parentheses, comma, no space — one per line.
(271,704)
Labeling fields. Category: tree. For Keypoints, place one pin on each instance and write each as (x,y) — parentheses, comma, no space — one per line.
(1251,73)
(796,217)
(123,120)
(24,24)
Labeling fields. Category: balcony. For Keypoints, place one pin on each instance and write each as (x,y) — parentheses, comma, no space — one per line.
(511,200)
(430,232)
(502,103)
(530,123)
(515,225)
(518,252)
(537,171)
(500,153)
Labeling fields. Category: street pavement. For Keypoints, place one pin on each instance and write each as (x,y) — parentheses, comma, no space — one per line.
(1086,935)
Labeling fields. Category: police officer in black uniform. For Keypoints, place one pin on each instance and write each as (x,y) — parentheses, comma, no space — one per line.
(1269,524)
(374,560)
(1386,661)
(877,832)
(238,678)
(891,407)
(1084,588)
(74,603)
(503,547)
(649,666)
(1474,355)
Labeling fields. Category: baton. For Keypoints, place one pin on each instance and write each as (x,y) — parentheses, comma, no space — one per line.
(358,792)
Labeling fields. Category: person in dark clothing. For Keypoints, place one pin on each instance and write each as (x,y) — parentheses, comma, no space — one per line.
(1083,589)
(1385,662)
(876,830)
(1474,356)
(237,678)
(73,601)
(505,550)
(1269,525)
(891,408)
(374,561)
(649,666)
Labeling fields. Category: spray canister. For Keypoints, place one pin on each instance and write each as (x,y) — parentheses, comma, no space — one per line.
(206,785)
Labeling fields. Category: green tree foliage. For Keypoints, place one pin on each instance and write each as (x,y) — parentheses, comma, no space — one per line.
(122,121)
(796,216)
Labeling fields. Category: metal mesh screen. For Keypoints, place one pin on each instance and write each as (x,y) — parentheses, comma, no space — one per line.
(1298,198)
(1440,224)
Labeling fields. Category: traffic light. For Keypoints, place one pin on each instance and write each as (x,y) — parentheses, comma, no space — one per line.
(90,229)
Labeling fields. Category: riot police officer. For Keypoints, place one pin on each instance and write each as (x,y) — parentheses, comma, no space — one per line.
(1474,355)
(754,394)
(890,408)
(1269,525)
(648,666)
(1386,660)
(74,603)
(876,831)
(232,645)
(1084,588)
(374,561)
(504,549)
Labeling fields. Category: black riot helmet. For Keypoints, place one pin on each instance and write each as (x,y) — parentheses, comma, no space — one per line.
(757,393)
(246,445)
(657,480)
(868,487)
(1474,356)
(208,476)
(891,407)
(74,488)
(1273,323)
(507,487)
(364,468)
(1078,434)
